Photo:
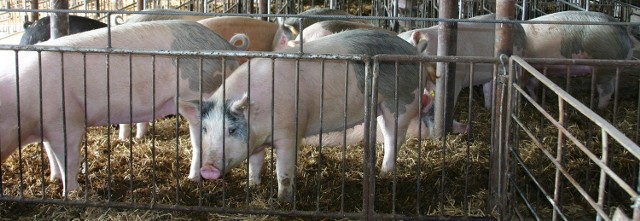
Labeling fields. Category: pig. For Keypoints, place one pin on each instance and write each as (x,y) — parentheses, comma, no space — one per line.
(161,14)
(58,135)
(324,28)
(142,127)
(292,23)
(233,106)
(40,30)
(356,134)
(580,42)
(261,33)
(474,39)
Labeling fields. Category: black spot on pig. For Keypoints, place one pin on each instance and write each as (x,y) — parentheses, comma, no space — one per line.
(40,30)
(192,36)
(597,41)
(236,123)
(374,42)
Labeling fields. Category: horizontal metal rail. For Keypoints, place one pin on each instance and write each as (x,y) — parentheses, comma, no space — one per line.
(328,17)
(183,208)
(627,143)
(606,128)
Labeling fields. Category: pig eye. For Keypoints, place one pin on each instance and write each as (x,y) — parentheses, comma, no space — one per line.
(232,131)
(204,129)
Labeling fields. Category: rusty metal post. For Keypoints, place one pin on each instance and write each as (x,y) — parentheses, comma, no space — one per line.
(498,169)
(97,8)
(33,16)
(447,36)
(59,21)
(262,8)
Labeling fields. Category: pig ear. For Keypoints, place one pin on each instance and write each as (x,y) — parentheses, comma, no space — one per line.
(419,40)
(239,106)
(281,38)
(189,109)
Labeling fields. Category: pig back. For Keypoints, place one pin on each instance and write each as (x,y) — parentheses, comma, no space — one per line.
(260,33)
(373,42)
(157,35)
(578,41)
(157,17)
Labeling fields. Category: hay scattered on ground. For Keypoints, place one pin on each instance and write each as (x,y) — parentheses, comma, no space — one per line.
(166,186)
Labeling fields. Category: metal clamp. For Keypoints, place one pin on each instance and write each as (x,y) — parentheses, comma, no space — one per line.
(636,202)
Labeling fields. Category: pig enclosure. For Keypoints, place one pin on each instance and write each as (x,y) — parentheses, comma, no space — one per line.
(435,178)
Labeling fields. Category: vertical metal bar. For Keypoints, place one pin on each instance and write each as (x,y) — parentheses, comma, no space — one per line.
(108,74)
(297,126)
(177,134)
(97,8)
(466,210)
(34,15)
(154,194)
(59,21)
(200,102)
(86,124)
(140,5)
(445,83)
(370,137)
(19,125)
(603,176)
(41,115)
(395,144)
(557,192)
(344,136)
(512,74)
(64,132)
(636,211)
(272,159)
(248,139)
(421,86)
(319,174)
(224,140)
(263,8)
(505,10)
(131,174)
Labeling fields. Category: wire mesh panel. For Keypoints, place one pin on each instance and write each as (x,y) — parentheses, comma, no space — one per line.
(171,169)
(568,162)
(331,180)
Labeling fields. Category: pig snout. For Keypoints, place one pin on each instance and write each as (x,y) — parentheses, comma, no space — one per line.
(210,172)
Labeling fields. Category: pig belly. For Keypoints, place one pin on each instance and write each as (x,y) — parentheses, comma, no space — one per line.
(561,70)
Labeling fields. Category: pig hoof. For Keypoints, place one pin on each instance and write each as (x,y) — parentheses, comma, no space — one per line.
(285,196)
(55,177)
(194,178)
(385,173)
(254,182)
(71,186)
(210,172)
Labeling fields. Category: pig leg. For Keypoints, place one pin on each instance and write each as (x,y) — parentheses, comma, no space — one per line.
(487,90)
(53,163)
(57,147)
(255,166)
(187,111)
(196,157)
(141,130)
(605,86)
(285,167)
(387,125)
(124,131)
